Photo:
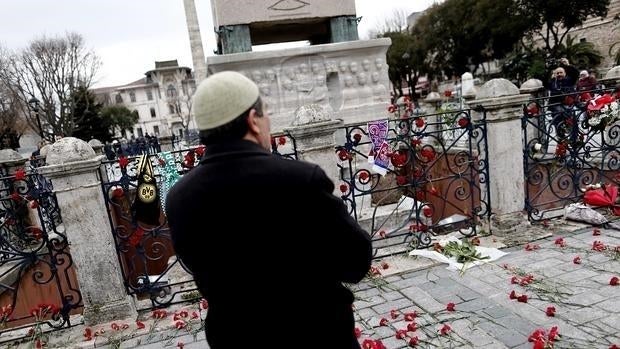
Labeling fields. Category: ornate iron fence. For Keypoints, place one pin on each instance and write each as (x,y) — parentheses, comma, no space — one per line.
(436,172)
(149,266)
(284,145)
(566,149)
(37,281)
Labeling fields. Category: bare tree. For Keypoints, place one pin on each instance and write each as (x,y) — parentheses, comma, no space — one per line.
(182,106)
(395,23)
(50,70)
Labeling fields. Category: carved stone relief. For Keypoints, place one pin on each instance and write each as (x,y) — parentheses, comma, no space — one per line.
(351,84)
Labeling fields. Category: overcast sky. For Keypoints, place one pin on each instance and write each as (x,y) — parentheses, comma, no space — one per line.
(130,35)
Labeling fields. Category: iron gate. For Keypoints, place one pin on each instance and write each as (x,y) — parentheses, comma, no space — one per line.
(566,150)
(37,279)
(435,181)
(150,269)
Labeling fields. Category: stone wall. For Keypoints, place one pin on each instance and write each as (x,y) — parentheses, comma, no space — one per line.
(349,79)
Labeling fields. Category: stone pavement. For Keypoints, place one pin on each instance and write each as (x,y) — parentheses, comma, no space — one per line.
(587,307)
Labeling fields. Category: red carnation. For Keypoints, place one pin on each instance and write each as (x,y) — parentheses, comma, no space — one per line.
(450,306)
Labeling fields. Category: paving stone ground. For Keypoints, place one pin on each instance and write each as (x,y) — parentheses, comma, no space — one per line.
(587,306)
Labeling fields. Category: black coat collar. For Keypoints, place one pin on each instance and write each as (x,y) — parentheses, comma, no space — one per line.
(233,149)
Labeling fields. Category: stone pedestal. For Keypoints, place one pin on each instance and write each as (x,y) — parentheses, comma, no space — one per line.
(10,160)
(349,79)
(504,107)
(165,143)
(97,146)
(313,131)
(72,165)
(612,77)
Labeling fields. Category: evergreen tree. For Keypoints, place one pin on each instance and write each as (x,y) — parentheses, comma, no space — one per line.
(89,122)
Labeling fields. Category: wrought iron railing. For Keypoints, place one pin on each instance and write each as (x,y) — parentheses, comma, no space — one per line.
(37,281)
(566,149)
(435,182)
(146,255)
(149,266)
(284,145)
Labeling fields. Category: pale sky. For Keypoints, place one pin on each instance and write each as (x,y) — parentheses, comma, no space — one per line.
(130,35)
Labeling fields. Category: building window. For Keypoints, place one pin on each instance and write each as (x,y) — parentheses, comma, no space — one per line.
(153,114)
(118,99)
(171,92)
(582,40)
(140,133)
(156,130)
(132,97)
(170,108)
(149,95)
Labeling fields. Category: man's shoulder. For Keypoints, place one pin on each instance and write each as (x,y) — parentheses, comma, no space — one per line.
(294,166)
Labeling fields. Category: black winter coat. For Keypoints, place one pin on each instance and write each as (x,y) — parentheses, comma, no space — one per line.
(269,246)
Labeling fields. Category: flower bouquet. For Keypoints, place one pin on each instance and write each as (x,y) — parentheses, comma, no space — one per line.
(602,111)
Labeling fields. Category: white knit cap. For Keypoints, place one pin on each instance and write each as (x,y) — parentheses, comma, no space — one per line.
(222,97)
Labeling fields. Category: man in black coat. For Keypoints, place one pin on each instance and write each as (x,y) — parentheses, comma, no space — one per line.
(268,243)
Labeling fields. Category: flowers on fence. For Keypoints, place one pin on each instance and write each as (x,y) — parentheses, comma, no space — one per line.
(602,111)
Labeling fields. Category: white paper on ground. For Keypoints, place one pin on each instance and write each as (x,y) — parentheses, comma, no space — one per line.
(493,254)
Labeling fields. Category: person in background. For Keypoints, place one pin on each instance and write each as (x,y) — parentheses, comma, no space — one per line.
(570,71)
(294,241)
(586,81)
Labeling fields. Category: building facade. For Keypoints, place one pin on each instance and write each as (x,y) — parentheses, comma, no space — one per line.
(602,32)
(162,99)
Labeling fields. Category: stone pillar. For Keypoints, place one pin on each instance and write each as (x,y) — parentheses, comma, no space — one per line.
(343,28)
(165,142)
(96,145)
(612,77)
(10,160)
(313,131)
(195,41)
(504,107)
(72,165)
(467,83)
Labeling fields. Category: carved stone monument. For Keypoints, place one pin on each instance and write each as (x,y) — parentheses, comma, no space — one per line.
(348,79)
(345,76)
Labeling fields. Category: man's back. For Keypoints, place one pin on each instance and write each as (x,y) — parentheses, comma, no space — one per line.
(275,269)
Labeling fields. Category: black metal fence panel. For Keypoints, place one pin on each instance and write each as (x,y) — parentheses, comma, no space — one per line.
(38,283)
(148,263)
(435,177)
(568,148)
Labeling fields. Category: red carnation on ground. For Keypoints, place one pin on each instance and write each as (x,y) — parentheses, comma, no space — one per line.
(450,306)
(577,260)
(550,311)
(358,332)
(614,281)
